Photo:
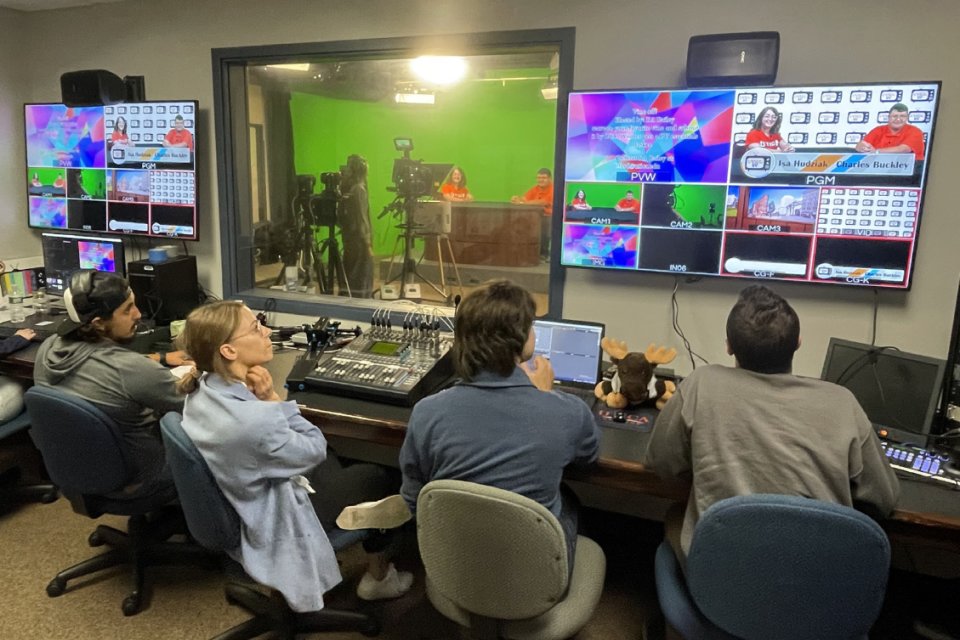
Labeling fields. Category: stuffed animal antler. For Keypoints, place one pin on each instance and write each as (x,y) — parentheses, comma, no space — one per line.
(633,380)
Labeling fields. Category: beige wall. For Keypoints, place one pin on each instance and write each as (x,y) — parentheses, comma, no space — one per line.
(16,241)
(637,43)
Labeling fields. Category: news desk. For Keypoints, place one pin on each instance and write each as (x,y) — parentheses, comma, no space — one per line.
(927,513)
(499,234)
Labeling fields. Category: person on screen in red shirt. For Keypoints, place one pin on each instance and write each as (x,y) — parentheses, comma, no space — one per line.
(541,193)
(628,203)
(579,202)
(119,133)
(894,137)
(765,133)
(178,136)
(455,188)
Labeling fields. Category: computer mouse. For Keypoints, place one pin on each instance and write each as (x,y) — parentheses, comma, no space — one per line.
(619,416)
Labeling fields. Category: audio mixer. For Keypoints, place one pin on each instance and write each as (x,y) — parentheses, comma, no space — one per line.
(385,365)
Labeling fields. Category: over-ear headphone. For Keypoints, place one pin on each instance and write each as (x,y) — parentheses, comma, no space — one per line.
(77,296)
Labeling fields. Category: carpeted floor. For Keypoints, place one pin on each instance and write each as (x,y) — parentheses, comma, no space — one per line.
(38,540)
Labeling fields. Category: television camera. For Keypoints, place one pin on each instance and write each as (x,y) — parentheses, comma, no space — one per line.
(411,178)
(315,257)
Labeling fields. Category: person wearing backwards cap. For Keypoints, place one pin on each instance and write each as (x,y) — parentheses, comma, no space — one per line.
(86,358)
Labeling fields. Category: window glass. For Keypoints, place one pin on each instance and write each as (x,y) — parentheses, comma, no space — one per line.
(358,179)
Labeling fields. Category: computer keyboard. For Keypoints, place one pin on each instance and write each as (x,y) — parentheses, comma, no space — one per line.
(922,463)
(41,333)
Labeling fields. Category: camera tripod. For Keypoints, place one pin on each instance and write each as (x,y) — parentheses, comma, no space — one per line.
(334,264)
(309,257)
(409,267)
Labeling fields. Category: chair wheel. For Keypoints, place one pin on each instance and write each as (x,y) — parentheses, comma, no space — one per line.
(49,496)
(56,587)
(131,605)
(95,540)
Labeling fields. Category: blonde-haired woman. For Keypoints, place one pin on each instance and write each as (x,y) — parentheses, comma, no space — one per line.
(260,451)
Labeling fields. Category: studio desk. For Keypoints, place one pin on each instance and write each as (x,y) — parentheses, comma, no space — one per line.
(927,514)
(499,234)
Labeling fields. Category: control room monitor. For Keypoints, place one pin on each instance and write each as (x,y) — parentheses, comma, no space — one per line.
(65,253)
(898,391)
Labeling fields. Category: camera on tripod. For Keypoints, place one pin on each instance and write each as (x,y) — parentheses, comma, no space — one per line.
(321,208)
(411,178)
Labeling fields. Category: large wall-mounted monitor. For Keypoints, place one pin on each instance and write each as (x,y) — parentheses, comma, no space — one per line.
(817,184)
(64,253)
(125,168)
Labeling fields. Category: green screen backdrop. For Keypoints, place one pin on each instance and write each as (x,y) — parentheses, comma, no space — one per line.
(499,132)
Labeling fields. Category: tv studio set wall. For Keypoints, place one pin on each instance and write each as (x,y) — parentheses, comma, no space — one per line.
(618,45)
(456,131)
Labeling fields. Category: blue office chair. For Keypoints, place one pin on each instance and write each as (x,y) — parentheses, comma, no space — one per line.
(772,567)
(10,491)
(84,453)
(214,523)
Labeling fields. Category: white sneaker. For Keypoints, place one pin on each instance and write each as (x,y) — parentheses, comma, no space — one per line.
(388,513)
(394,584)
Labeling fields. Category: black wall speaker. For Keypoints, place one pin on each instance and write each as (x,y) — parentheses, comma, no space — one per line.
(91,87)
(731,59)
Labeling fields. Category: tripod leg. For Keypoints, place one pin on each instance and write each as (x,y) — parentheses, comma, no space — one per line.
(453,259)
(393,259)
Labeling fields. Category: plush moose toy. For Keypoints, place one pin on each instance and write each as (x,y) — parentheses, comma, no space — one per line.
(633,381)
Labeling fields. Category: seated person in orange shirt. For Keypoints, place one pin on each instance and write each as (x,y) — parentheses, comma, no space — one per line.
(628,203)
(178,136)
(541,193)
(580,201)
(455,188)
(894,137)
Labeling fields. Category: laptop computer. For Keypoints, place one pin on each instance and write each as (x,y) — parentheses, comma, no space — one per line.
(573,348)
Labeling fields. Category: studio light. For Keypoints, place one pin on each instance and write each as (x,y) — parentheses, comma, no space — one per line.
(442,70)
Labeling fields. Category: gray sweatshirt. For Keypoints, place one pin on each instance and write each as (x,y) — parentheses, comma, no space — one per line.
(130,388)
(737,432)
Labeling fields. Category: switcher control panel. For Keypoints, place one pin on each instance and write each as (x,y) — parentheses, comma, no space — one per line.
(386,365)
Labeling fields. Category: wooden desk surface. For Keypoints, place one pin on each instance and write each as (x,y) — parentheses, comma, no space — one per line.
(925,509)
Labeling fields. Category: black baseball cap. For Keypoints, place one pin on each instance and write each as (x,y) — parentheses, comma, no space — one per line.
(91,294)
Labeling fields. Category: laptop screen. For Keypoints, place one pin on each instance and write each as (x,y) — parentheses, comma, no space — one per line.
(573,349)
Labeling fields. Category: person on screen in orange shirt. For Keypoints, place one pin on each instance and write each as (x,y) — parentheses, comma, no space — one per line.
(897,136)
(35,181)
(579,201)
(765,133)
(455,188)
(119,133)
(541,193)
(60,183)
(628,203)
(178,136)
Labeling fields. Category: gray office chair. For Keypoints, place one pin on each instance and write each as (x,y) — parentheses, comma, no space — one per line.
(772,567)
(214,523)
(85,455)
(496,563)
(10,491)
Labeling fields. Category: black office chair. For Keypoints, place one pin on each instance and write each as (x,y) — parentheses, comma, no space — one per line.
(84,453)
(214,523)
(10,491)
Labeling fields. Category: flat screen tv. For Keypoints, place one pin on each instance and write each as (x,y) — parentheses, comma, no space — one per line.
(125,168)
(818,184)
